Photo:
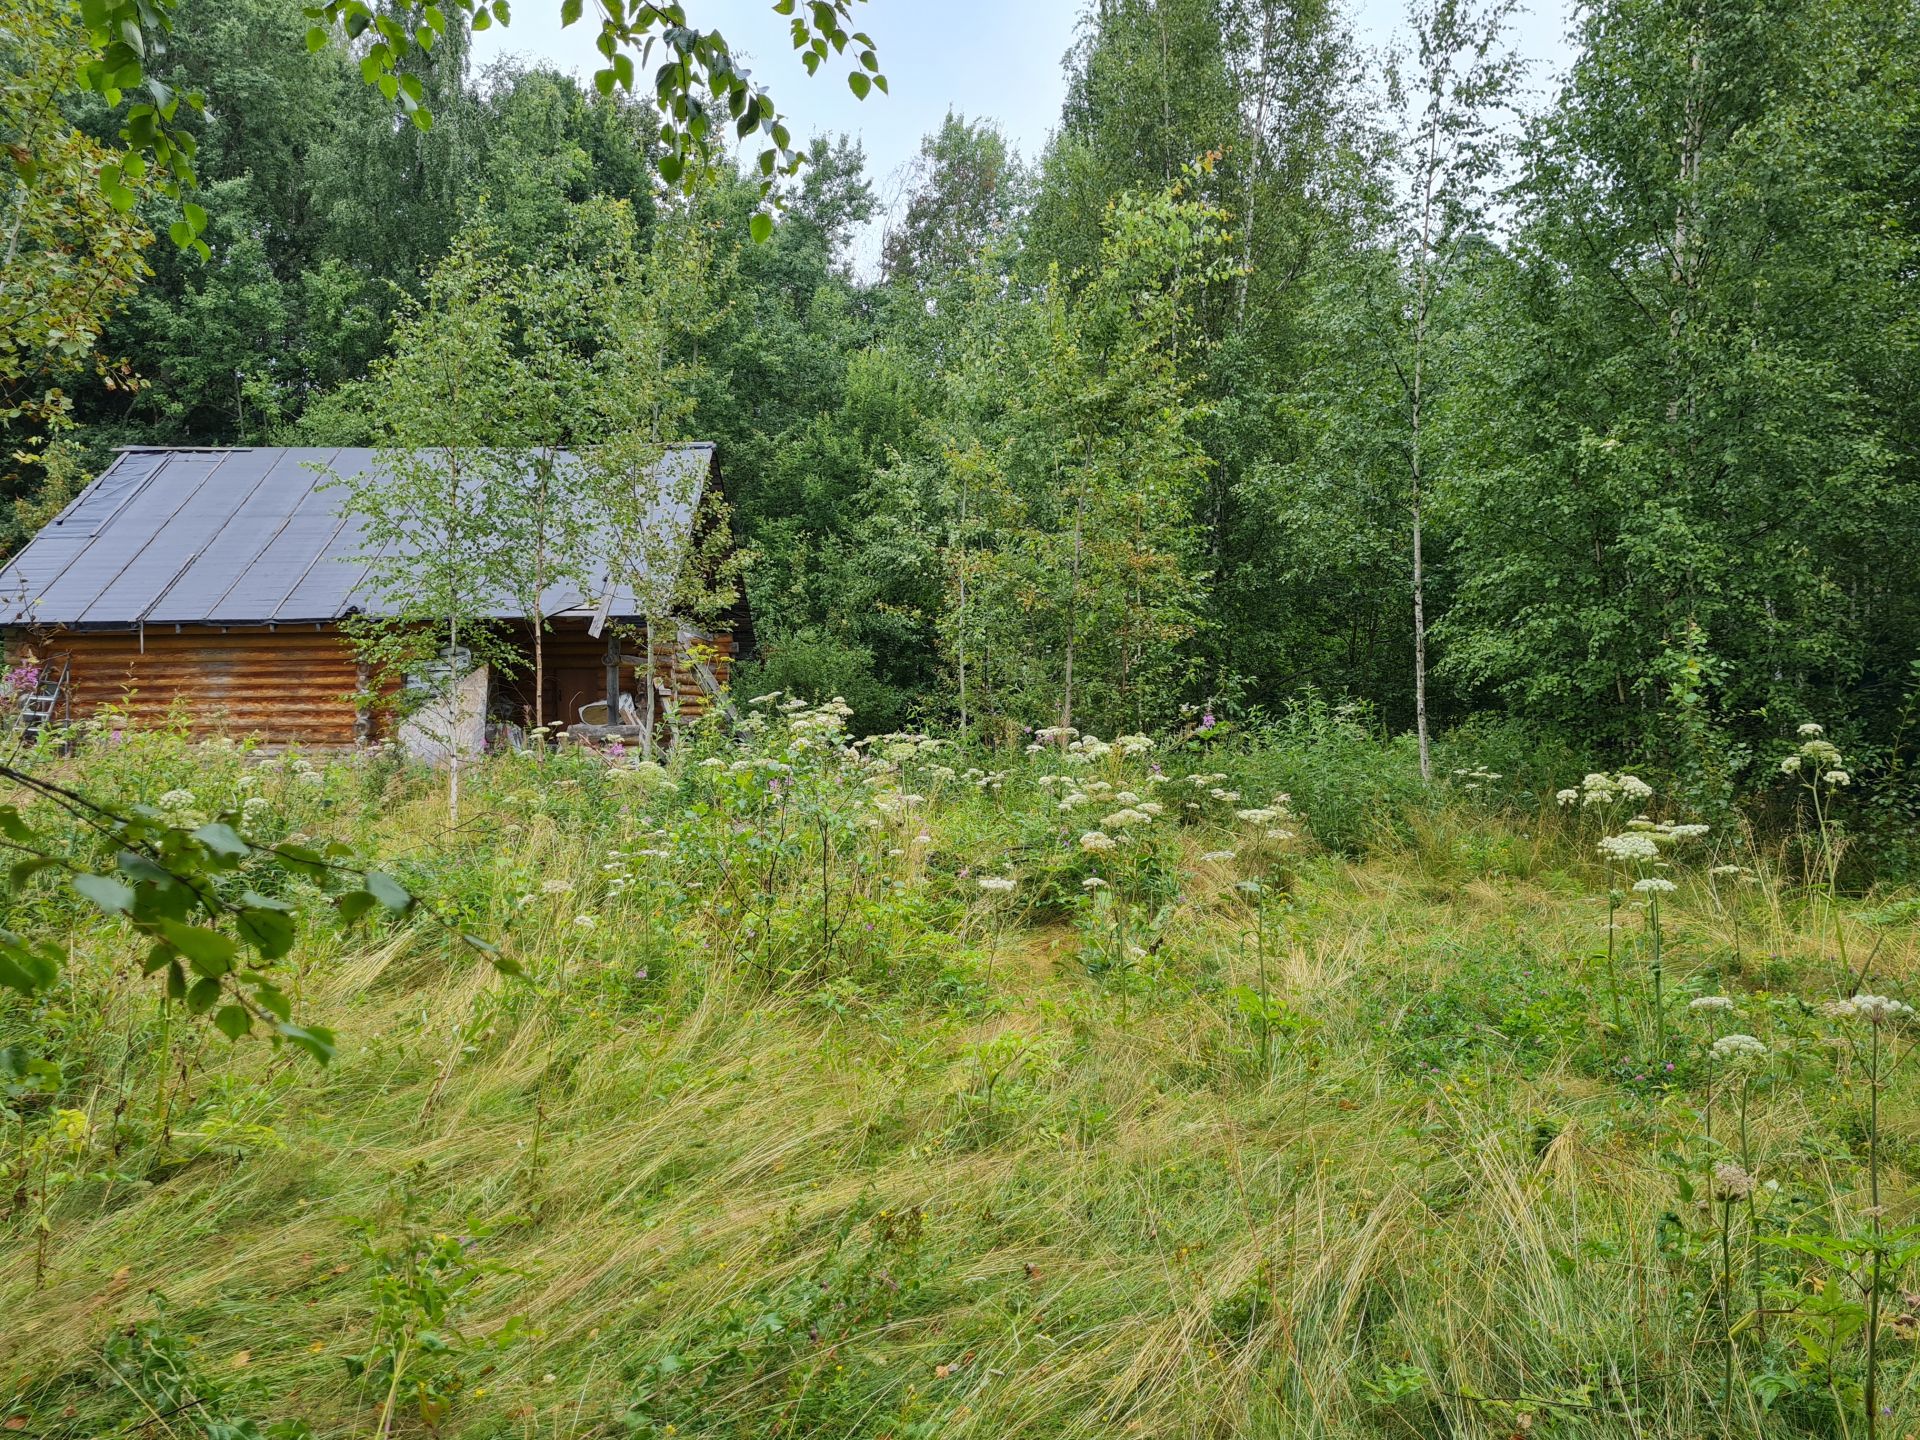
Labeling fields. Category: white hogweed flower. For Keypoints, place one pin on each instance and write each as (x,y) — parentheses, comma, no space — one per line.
(1838,777)
(1874,1009)
(1707,1003)
(1095,840)
(1811,731)
(999,884)
(1566,797)
(1654,885)
(1628,848)
(1738,1047)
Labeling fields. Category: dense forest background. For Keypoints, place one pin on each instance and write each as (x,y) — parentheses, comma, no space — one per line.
(1179,416)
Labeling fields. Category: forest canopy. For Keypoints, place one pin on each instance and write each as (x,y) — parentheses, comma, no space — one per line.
(1284,371)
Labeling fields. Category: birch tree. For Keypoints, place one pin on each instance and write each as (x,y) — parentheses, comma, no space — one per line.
(433,535)
(1461,79)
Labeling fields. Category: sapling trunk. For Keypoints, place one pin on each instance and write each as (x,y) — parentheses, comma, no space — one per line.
(1659,996)
(1873,1197)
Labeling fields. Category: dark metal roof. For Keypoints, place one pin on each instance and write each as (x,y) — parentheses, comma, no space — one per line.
(244,537)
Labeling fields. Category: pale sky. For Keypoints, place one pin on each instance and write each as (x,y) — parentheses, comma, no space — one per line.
(1000,59)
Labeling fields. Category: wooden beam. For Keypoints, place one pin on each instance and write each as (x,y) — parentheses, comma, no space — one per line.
(613,677)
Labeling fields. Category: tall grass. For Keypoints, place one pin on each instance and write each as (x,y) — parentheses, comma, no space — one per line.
(760,1149)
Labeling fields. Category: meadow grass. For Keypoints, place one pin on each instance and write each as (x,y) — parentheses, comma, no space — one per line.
(795,1130)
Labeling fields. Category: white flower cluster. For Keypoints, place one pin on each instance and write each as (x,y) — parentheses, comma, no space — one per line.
(1654,885)
(1732,1048)
(814,725)
(763,765)
(178,807)
(996,884)
(1600,788)
(649,775)
(1208,793)
(1874,1009)
(1629,848)
(302,769)
(1709,1003)
(1476,777)
(1818,755)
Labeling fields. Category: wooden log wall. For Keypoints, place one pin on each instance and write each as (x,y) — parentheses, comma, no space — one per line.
(287,686)
(291,686)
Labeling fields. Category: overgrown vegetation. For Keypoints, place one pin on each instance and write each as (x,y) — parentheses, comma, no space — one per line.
(895,1088)
(1168,415)
(1463,995)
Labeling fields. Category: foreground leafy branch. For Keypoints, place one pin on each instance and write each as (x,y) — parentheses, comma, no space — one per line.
(215,949)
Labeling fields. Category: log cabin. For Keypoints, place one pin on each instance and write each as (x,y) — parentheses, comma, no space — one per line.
(208,588)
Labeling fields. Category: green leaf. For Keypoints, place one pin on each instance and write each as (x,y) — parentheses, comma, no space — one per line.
(197,219)
(233,1022)
(106,892)
(25,870)
(273,1001)
(267,928)
(316,39)
(23,1074)
(570,11)
(313,1039)
(389,892)
(114,187)
(27,968)
(761,227)
(220,839)
(203,996)
(208,951)
(13,827)
(353,905)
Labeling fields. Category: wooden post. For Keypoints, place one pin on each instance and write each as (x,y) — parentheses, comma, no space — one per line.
(613,677)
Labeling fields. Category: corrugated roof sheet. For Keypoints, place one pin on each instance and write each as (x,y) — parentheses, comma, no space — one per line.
(246,537)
